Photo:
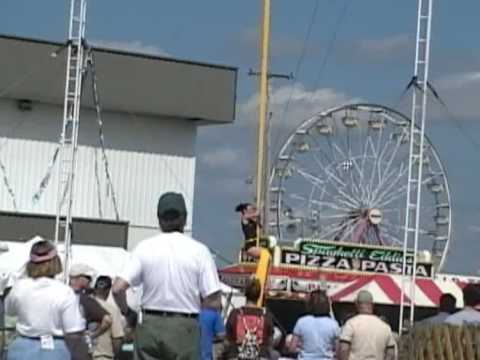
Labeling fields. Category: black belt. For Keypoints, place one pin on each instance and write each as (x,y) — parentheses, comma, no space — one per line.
(170,313)
(39,337)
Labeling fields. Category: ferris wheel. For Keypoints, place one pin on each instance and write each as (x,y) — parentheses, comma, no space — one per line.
(342,176)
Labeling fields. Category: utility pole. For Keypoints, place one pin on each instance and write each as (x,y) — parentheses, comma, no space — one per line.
(264,210)
(262,110)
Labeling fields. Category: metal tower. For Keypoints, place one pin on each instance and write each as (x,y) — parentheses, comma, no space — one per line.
(69,138)
(415,163)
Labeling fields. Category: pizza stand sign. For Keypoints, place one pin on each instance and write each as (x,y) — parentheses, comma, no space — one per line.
(352,257)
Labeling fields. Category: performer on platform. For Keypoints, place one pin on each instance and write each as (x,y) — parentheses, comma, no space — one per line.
(251,223)
(249,218)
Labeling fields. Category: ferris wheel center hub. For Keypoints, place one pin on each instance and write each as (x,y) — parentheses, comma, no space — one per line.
(375,216)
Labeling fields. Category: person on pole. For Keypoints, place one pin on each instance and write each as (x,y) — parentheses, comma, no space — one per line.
(251,224)
(249,219)
(177,274)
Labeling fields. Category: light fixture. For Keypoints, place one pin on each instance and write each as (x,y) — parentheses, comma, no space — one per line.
(24,105)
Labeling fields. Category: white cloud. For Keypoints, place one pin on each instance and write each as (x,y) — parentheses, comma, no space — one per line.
(302,104)
(230,150)
(460,92)
(220,157)
(390,49)
(474,228)
(231,185)
(458,81)
(385,46)
(135,46)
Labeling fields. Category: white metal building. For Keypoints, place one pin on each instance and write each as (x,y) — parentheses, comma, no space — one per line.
(152,107)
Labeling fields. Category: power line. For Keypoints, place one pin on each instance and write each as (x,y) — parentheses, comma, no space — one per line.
(451,116)
(301,58)
(219,255)
(298,66)
(331,45)
(328,53)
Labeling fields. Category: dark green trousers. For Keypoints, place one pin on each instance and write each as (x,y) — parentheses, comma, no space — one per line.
(167,338)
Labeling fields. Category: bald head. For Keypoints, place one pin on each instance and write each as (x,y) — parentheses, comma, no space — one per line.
(364,302)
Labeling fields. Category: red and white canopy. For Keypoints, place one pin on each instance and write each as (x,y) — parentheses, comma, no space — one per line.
(387,289)
(295,283)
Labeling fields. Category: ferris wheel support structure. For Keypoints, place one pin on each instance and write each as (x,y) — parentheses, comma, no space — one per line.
(69,137)
(416,160)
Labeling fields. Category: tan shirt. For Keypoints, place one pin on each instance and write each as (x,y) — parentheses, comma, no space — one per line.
(103,344)
(368,336)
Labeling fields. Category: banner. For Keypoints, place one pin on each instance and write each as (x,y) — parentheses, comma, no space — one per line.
(239,281)
(351,257)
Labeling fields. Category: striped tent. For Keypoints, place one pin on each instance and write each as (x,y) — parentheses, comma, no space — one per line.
(295,283)
(387,289)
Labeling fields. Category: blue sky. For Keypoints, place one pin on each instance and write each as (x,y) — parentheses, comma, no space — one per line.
(372,60)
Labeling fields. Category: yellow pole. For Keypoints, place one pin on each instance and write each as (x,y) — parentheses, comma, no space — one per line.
(264,260)
(262,109)
(262,273)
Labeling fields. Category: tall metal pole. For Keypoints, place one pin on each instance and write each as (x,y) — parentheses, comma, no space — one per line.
(267,145)
(267,160)
(71,116)
(423,110)
(262,109)
(417,135)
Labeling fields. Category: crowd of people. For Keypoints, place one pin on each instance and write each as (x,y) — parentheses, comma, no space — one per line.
(180,316)
(447,314)
(89,319)
(316,335)
(59,321)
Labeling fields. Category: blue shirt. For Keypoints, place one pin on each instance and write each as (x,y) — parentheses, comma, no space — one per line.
(467,316)
(317,336)
(211,325)
(436,319)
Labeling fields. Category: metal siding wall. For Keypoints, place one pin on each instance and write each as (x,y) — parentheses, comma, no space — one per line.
(139,177)
(138,180)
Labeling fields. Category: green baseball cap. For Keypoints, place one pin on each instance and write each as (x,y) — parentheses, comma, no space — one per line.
(171,205)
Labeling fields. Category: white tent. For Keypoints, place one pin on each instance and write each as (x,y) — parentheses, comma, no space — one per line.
(105,260)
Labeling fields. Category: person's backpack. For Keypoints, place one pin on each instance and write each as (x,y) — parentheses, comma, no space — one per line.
(250,329)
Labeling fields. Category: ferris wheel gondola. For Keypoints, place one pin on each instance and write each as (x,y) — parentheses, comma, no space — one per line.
(342,176)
